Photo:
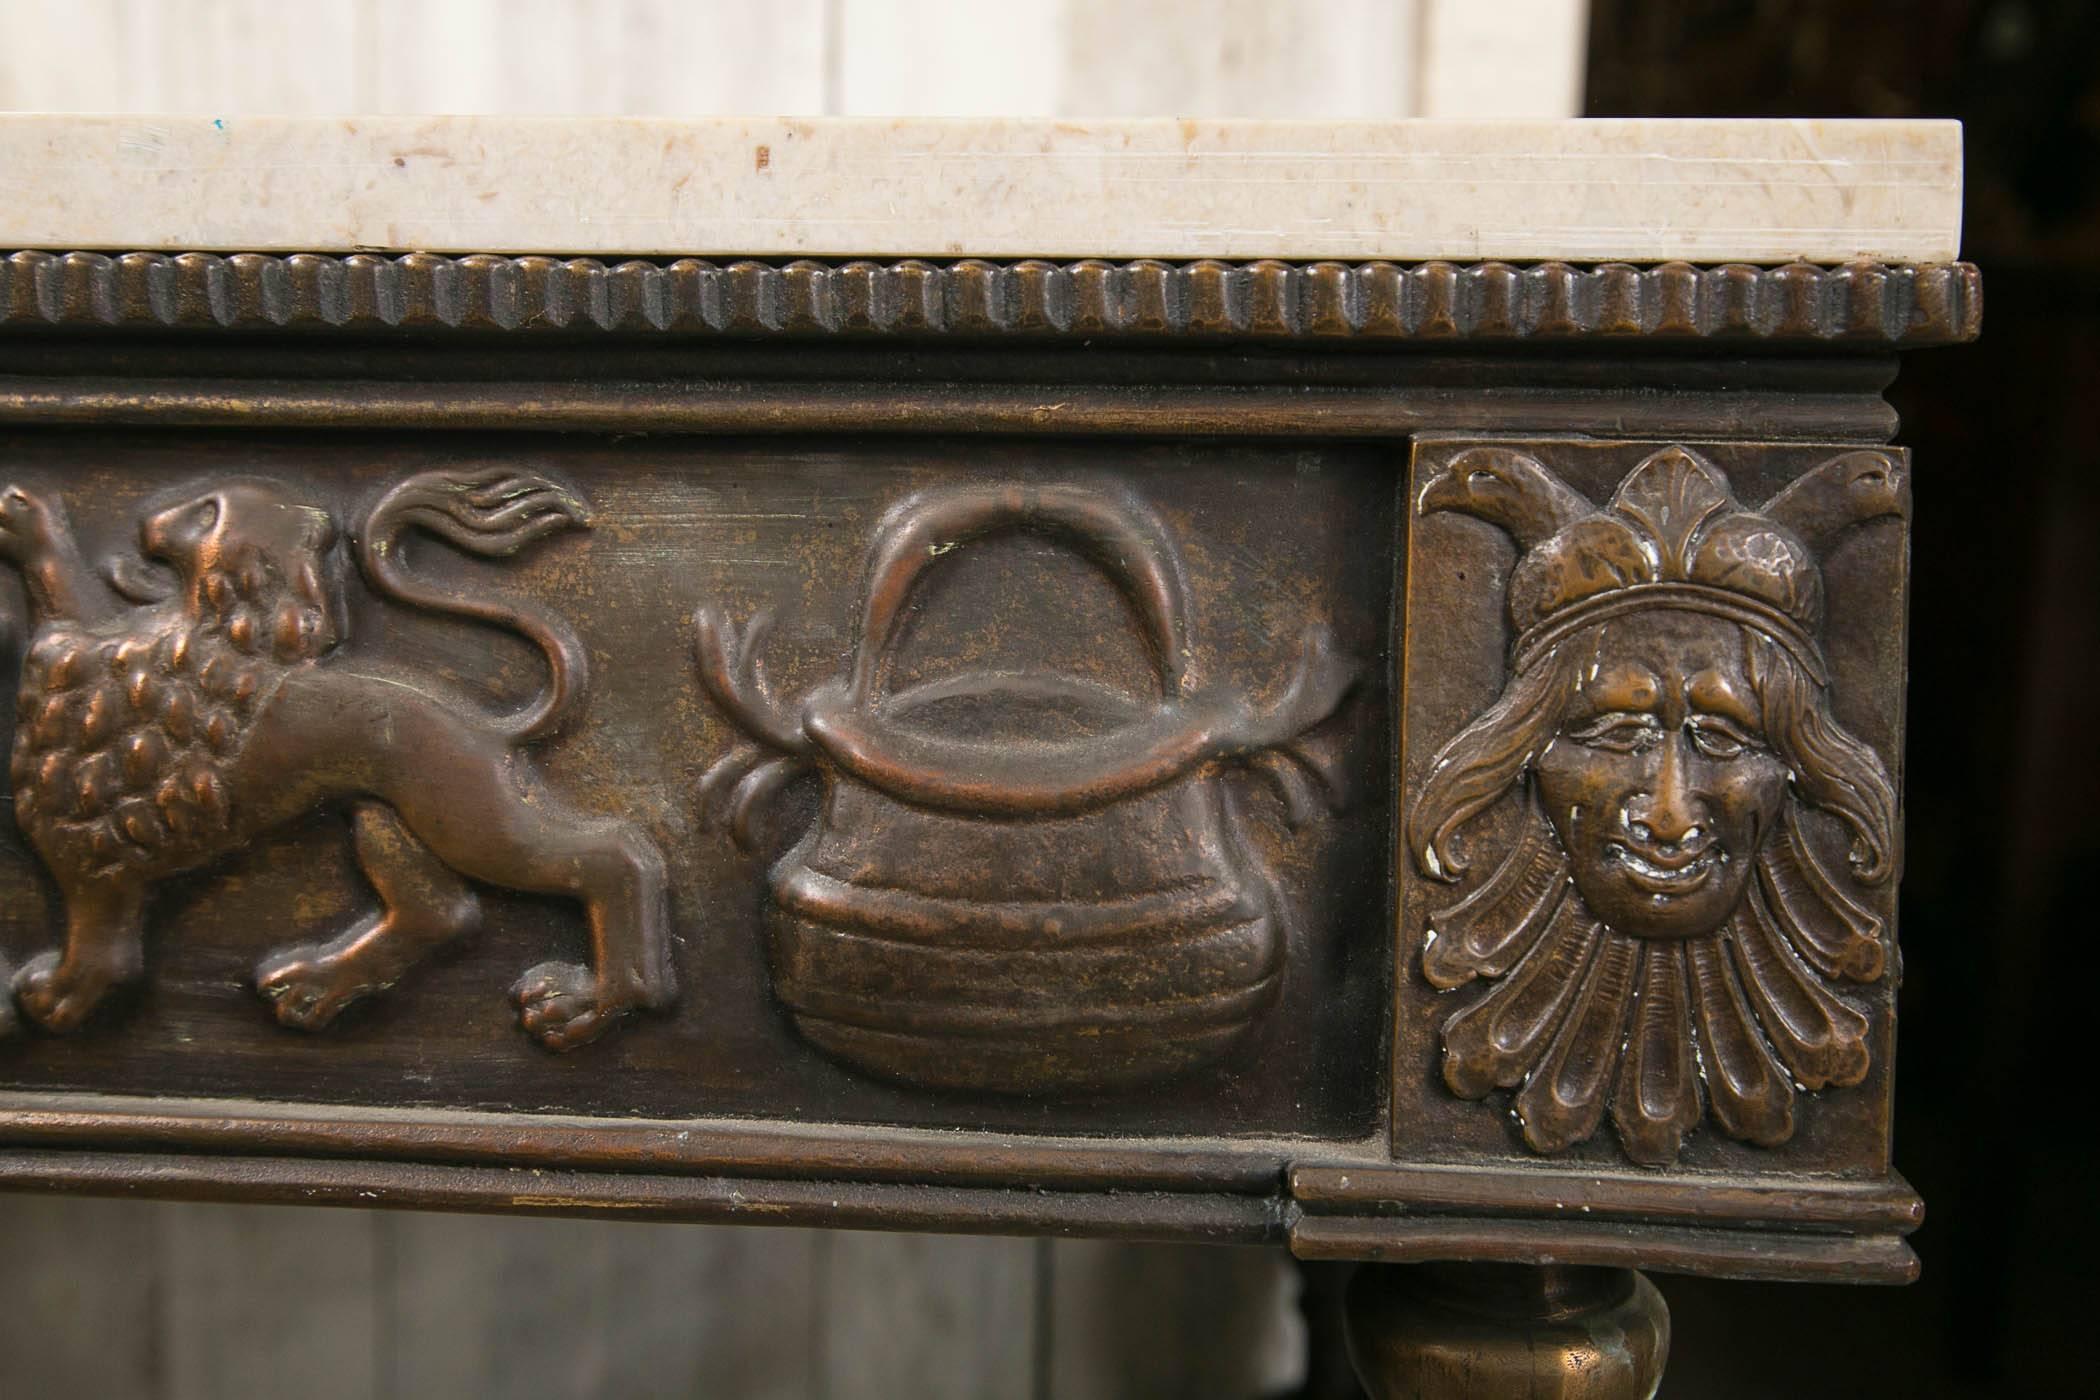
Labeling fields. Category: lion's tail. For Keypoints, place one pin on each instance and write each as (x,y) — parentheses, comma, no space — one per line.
(492,513)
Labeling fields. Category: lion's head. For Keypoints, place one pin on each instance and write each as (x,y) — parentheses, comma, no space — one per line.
(254,567)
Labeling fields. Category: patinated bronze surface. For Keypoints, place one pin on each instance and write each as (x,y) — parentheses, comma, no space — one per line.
(1661,914)
(1025,881)
(176,706)
(1269,635)
(1398,761)
(1471,1331)
(1869,305)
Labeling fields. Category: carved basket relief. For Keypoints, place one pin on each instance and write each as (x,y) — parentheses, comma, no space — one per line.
(1650,876)
(1022,881)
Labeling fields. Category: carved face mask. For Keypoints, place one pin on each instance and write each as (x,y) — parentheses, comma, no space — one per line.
(1661,782)
(1660,924)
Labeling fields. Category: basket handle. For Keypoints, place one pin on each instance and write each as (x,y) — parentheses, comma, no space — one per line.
(1108,524)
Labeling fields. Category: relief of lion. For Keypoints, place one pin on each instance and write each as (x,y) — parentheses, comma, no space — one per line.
(204,708)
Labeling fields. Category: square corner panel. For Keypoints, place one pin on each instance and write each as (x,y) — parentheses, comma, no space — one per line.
(1649,827)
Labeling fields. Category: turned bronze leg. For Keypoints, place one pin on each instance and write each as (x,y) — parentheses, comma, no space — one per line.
(1553,1332)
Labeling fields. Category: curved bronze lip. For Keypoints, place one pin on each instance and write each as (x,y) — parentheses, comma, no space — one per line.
(1036,778)
(1691,875)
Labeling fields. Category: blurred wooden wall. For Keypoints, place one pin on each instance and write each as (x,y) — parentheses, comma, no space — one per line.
(1093,58)
(124,1299)
(131,1300)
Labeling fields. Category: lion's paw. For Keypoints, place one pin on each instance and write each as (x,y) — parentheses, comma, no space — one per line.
(59,995)
(562,1006)
(307,989)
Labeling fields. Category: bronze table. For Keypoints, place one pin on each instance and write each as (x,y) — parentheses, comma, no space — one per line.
(1400,761)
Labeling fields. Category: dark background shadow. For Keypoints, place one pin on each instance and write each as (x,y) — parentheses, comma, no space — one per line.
(1998,999)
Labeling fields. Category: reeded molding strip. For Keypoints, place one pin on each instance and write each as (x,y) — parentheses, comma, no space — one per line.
(1857,304)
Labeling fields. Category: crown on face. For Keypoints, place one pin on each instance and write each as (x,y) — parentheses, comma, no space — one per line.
(1672,536)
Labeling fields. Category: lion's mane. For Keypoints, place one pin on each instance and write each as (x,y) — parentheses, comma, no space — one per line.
(131,727)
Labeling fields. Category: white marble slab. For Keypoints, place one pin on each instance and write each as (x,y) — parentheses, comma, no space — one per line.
(1636,190)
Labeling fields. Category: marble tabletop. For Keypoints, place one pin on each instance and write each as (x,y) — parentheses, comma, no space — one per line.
(1634,190)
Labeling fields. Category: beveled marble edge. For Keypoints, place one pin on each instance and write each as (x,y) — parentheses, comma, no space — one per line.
(1632,190)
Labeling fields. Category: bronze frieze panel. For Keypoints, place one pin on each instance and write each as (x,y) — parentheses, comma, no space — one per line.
(929,782)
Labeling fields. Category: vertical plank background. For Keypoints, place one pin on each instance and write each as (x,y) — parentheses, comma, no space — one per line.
(1067,58)
(131,1300)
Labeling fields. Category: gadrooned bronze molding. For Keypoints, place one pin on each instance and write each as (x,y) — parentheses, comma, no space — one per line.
(1863,305)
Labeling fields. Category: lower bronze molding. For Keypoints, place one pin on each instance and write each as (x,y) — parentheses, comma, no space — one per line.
(1759,1255)
(729,1172)
(717,1200)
